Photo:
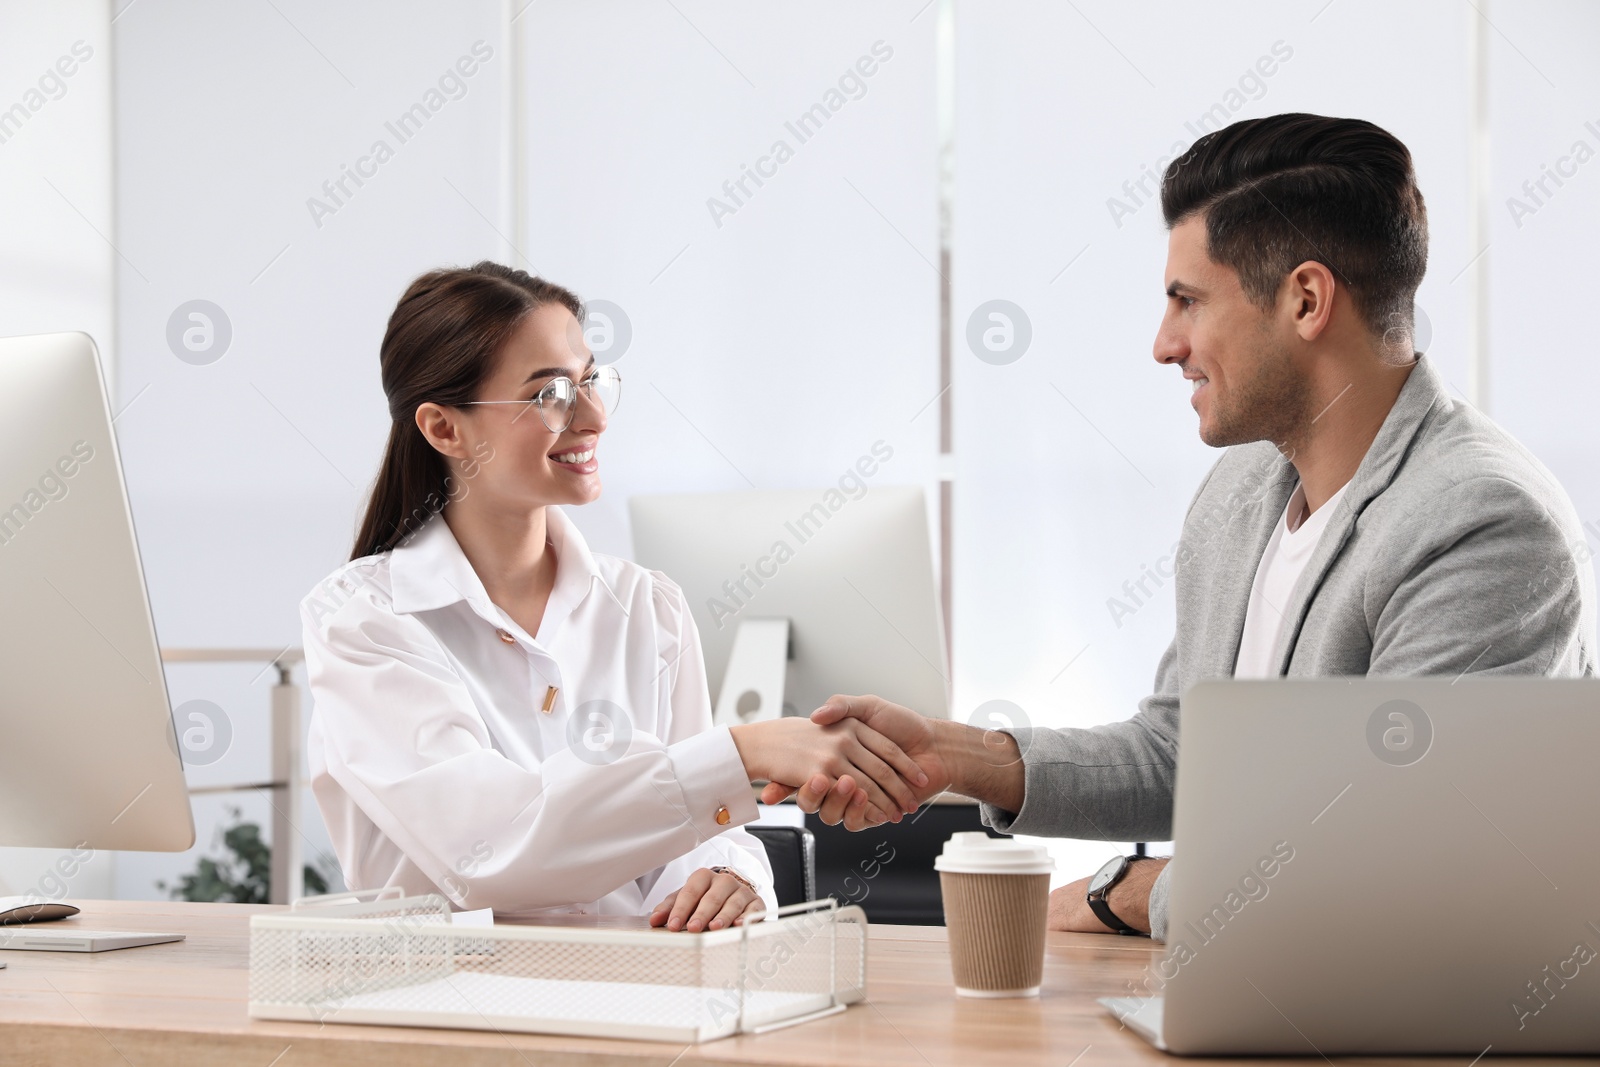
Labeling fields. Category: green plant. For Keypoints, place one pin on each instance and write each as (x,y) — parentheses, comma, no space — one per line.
(242,875)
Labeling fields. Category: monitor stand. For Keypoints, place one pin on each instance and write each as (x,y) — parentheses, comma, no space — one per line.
(758,666)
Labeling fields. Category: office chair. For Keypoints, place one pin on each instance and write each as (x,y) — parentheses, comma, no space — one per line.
(888,870)
(793,854)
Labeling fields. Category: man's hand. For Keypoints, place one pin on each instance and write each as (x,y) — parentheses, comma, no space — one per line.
(843,754)
(707,901)
(1129,901)
(913,735)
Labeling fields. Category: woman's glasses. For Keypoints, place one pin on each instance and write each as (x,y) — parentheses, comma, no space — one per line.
(557,402)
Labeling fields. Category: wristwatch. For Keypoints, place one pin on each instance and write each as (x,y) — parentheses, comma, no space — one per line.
(1100,888)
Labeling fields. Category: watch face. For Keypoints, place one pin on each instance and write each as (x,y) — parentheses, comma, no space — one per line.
(1107,874)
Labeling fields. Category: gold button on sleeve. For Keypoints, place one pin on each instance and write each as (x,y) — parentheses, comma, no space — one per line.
(723,818)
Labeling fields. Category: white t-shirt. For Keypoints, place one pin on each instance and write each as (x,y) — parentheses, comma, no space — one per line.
(1287,554)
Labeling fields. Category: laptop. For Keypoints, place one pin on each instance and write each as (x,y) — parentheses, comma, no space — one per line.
(1372,866)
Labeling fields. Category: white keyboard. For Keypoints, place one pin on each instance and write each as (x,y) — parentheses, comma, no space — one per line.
(74,939)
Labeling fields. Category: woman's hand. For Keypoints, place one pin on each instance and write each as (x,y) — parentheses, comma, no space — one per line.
(793,752)
(707,901)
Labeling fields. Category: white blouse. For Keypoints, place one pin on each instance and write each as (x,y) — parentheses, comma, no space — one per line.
(573,771)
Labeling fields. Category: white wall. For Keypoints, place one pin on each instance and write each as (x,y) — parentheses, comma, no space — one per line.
(55,169)
(1545,113)
(781,331)
(56,258)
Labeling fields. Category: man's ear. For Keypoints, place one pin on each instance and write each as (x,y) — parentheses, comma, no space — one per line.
(439,427)
(1309,291)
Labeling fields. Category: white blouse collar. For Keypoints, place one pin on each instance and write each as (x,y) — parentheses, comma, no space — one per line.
(430,571)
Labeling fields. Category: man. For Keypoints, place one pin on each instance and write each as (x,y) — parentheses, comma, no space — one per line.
(1362,521)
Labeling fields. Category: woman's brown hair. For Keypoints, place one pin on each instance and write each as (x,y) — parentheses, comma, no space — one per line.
(440,345)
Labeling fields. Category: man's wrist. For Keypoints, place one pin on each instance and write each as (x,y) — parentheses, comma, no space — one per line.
(1129,899)
(983,764)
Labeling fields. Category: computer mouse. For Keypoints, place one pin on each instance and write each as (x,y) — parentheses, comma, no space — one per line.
(17,910)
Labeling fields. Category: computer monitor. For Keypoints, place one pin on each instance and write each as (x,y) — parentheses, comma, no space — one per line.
(88,751)
(800,594)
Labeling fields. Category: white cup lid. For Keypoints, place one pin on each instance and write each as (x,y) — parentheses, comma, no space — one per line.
(978,853)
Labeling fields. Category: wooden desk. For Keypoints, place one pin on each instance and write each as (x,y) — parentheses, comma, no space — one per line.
(185,1004)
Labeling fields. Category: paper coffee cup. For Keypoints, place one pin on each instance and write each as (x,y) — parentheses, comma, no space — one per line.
(996,902)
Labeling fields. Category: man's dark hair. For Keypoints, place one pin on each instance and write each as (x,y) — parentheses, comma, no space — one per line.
(1281,190)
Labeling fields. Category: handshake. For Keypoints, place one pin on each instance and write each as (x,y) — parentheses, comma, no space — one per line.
(863,761)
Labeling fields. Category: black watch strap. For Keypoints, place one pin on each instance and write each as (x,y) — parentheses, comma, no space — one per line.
(1103,912)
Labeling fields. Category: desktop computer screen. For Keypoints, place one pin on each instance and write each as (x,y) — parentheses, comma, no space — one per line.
(88,752)
(828,592)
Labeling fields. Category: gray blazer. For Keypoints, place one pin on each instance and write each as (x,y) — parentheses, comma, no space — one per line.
(1453,551)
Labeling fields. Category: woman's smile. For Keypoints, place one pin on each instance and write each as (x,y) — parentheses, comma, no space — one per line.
(578,460)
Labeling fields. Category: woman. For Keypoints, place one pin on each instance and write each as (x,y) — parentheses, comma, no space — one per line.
(500,714)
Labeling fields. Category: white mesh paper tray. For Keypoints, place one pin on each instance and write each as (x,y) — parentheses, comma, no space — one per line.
(400,962)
